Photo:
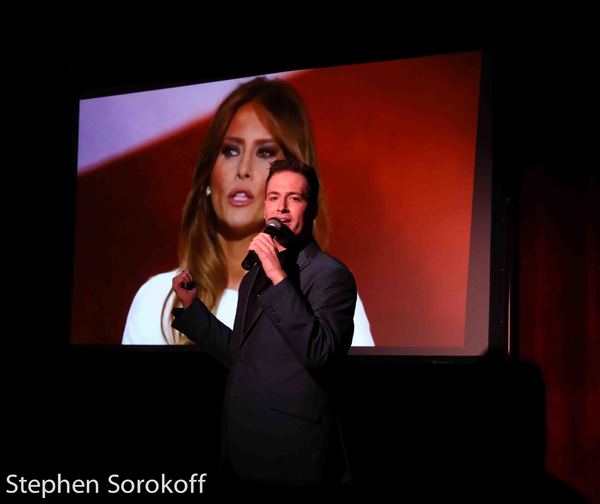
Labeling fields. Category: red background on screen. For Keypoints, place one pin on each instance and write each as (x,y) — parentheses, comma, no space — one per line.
(396,144)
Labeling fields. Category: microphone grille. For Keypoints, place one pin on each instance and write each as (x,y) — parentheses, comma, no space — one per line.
(275,223)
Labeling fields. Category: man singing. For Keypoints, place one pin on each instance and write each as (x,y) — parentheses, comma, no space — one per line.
(293,325)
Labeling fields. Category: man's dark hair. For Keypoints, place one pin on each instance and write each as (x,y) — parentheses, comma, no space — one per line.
(309,173)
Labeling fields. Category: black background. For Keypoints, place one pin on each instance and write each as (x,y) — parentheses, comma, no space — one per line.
(462,429)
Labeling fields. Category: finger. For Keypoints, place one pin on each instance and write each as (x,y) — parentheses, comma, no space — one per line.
(256,242)
(264,246)
(257,239)
(191,285)
(267,240)
(262,253)
(188,280)
(266,254)
(266,236)
(183,278)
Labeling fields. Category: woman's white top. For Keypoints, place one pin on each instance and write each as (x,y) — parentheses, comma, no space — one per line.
(150,312)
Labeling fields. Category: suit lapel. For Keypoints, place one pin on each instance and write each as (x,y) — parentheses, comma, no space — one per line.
(304,258)
(307,254)
(245,290)
(259,311)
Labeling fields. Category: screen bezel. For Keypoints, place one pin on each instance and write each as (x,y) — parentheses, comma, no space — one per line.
(117,80)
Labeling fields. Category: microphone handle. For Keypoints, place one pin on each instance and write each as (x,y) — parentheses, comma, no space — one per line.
(272,231)
(250,261)
(189,285)
(251,258)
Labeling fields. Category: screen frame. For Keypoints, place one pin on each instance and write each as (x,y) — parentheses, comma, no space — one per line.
(113,77)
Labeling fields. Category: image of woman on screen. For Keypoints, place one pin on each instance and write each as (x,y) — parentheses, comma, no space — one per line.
(260,121)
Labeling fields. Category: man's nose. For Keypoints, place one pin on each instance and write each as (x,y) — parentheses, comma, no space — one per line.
(283,206)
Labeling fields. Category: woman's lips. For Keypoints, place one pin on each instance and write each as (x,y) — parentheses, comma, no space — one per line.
(240,197)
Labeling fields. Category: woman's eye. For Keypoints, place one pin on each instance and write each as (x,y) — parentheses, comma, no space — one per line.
(230,151)
(266,153)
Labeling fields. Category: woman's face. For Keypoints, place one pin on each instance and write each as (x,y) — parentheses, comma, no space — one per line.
(238,177)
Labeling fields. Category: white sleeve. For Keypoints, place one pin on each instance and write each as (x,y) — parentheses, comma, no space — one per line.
(143,326)
(362,329)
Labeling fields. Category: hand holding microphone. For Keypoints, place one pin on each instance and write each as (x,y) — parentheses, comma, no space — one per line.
(264,250)
(273,228)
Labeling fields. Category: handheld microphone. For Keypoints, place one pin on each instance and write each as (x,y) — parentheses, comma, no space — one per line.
(274,228)
(189,285)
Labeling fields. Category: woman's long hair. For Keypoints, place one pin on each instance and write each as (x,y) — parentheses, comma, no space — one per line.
(281,109)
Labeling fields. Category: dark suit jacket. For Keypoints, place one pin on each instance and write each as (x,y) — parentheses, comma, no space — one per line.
(279,425)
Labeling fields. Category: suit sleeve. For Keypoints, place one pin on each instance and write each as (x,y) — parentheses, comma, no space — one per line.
(202,327)
(318,325)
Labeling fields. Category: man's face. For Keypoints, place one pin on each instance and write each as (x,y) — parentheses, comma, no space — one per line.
(286,199)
